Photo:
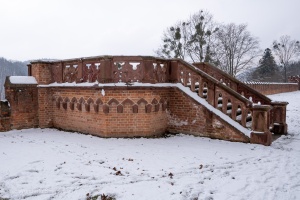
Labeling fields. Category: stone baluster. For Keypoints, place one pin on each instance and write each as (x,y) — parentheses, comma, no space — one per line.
(193,80)
(201,85)
(244,116)
(211,94)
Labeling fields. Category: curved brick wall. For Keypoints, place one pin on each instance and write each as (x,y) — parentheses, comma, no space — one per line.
(120,113)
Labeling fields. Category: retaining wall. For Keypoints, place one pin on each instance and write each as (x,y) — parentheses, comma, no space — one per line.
(273,88)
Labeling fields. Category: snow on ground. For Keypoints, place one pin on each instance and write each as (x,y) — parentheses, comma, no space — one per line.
(50,164)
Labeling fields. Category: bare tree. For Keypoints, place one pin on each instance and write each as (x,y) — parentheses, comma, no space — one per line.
(201,34)
(175,41)
(191,40)
(237,48)
(285,51)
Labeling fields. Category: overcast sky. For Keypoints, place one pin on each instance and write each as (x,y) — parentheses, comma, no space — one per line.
(61,29)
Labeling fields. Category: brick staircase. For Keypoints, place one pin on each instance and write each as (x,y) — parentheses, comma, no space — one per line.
(228,108)
(277,117)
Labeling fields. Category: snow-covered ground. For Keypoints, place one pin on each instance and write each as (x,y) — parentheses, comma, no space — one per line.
(51,164)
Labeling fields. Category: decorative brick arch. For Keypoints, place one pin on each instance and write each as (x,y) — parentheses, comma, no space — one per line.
(99,101)
(164,104)
(65,103)
(110,102)
(73,101)
(105,108)
(59,99)
(135,108)
(127,101)
(79,103)
(156,105)
(148,108)
(88,104)
(121,106)
(96,104)
(142,100)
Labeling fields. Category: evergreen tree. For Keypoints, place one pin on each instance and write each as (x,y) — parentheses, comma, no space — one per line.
(267,64)
(267,69)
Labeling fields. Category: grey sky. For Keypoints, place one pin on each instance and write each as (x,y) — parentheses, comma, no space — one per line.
(32,29)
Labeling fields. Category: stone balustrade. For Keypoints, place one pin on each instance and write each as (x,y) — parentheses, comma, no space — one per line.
(250,93)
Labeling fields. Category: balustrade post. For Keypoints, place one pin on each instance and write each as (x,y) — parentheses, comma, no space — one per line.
(173,72)
(148,76)
(278,114)
(185,77)
(106,68)
(260,125)
(41,71)
(79,71)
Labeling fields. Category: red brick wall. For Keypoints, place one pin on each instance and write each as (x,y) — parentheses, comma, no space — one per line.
(24,106)
(267,89)
(4,116)
(158,110)
(41,72)
(45,107)
(175,112)
(111,124)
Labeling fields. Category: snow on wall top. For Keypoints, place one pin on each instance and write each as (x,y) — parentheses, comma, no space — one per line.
(267,83)
(22,80)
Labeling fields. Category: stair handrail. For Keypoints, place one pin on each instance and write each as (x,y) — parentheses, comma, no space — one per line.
(254,92)
(217,82)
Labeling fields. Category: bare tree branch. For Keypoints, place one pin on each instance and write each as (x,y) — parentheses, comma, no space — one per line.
(239,48)
(285,51)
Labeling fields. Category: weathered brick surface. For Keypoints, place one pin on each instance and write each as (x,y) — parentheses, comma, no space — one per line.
(188,116)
